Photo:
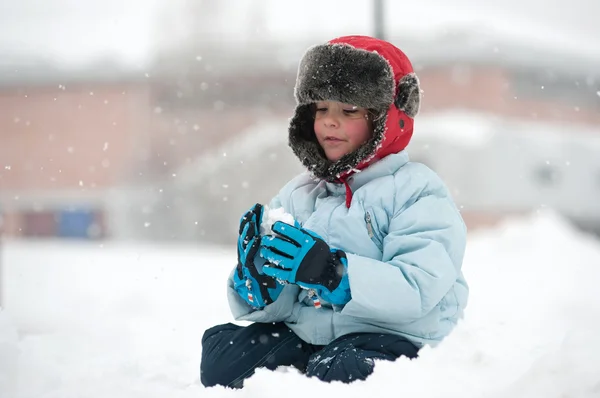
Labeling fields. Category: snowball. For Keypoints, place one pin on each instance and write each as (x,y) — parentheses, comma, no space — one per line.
(271,216)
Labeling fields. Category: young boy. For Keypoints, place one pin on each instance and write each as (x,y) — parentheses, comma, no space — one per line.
(371,268)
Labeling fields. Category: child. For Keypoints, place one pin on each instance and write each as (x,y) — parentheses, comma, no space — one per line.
(371,267)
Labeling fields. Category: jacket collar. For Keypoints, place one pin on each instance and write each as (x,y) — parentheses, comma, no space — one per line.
(383,167)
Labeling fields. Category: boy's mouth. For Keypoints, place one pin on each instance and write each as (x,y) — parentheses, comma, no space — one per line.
(332,142)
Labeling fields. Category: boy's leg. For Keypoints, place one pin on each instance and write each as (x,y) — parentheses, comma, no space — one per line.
(350,357)
(231,353)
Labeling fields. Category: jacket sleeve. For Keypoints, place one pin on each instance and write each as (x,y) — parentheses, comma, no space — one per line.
(278,311)
(422,256)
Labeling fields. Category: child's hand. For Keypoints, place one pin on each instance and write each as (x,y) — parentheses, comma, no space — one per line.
(250,225)
(255,288)
(300,256)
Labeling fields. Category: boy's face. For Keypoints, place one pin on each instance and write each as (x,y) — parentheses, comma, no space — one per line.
(341,128)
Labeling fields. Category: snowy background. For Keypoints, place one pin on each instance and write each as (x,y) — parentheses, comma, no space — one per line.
(148,126)
(112,320)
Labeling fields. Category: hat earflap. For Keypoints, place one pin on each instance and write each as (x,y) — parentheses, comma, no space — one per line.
(408,95)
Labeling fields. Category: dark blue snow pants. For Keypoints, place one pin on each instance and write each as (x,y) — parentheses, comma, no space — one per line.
(231,353)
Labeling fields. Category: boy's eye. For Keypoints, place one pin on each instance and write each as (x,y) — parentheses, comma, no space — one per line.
(321,109)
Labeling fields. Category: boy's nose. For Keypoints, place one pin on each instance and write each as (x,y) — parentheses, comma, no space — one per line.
(331,121)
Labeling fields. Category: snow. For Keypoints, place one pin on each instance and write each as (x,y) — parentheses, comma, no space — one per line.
(271,216)
(125,320)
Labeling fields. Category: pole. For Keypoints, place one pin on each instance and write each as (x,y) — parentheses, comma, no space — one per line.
(378,19)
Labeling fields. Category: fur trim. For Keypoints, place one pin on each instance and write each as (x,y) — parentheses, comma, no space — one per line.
(340,72)
(408,99)
(305,146)
(352,75)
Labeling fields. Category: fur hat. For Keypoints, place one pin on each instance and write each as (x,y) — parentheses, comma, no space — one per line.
(361,71)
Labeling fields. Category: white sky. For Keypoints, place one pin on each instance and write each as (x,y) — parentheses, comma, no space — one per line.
(75,31)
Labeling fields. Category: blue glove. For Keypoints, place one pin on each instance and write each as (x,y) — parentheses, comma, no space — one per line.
(249,226)
(300,256)
(257,289)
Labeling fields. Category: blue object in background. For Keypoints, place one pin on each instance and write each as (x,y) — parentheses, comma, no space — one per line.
(75,223)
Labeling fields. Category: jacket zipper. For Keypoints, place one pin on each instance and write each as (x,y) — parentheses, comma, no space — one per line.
(312,294)
(369,224)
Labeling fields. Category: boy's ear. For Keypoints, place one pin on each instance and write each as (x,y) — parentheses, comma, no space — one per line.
(408,95)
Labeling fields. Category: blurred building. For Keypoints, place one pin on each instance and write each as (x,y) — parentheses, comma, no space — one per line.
(89,153)
(180,151)
(68,138)
(512,128)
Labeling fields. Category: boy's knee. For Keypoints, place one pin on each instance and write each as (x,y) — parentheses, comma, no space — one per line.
(214,373)
(213,367)
(226,328)
(210,374)
(345,365)
(230,352)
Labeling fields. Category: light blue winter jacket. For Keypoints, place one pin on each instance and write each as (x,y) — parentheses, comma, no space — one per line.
(405,242)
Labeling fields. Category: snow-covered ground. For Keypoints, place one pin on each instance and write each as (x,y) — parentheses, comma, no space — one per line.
(113,320)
